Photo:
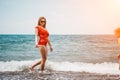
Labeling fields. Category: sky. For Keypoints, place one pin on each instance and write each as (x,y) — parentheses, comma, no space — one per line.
(63,16)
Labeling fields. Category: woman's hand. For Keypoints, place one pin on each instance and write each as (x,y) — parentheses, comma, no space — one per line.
(51,48)
(37,46)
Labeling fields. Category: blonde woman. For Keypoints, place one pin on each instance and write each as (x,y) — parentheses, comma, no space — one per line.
(41,41)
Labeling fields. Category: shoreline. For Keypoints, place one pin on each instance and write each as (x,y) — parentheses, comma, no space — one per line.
(56,75)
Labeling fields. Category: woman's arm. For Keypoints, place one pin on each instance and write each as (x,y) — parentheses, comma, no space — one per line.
(36,37)
(51,49)
(49,42)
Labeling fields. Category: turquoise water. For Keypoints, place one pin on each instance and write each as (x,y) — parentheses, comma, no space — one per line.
(76,52)
(84,48)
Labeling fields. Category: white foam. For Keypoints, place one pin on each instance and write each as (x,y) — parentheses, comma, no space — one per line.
(103,68)
(15,65)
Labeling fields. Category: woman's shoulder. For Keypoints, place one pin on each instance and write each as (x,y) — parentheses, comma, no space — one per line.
(38,27)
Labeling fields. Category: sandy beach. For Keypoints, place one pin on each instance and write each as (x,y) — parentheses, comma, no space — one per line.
(56,75)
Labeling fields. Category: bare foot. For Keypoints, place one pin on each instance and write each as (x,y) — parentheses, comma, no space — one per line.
(41,72)
(31,69)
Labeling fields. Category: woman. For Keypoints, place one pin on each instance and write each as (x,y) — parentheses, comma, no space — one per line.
(117,34)
(42,34)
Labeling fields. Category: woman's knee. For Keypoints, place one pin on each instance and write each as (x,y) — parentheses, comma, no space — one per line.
(44,59)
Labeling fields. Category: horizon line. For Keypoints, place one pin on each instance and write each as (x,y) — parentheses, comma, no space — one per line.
(50,34)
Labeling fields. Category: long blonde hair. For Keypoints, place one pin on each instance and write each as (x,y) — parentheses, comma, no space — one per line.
(40,20)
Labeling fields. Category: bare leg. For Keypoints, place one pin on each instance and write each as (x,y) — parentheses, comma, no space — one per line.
(43,51)
(119,64)
(39,62)
(32,67)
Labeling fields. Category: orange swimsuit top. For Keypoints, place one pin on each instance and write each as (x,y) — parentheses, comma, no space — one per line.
(43,34)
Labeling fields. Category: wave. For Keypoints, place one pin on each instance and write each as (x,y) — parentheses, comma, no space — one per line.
(103,68)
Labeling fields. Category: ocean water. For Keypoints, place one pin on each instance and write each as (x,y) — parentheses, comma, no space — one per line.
(76,53)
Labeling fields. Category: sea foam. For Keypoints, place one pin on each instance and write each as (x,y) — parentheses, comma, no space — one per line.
(103,68)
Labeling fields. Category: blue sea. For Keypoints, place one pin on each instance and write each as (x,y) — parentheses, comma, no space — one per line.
(75,53)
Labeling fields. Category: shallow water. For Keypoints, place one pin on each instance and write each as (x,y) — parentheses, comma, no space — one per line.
(79,53)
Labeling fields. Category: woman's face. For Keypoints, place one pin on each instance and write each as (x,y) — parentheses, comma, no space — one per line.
(42,22)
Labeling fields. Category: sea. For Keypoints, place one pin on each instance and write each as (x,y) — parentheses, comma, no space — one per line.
(74,53)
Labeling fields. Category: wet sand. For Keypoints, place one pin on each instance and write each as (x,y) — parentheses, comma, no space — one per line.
(56,75)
